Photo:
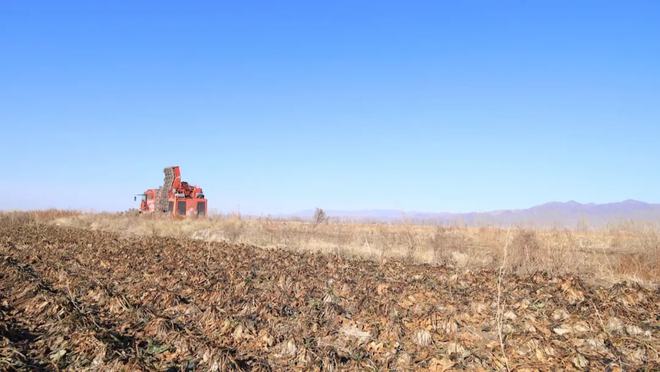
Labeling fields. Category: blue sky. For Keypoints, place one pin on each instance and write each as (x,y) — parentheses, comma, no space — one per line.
(275,107)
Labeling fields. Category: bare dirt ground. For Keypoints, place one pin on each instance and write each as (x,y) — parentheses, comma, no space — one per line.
(78,299)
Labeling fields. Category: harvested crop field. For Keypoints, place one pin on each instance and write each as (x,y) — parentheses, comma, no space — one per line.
(78,299)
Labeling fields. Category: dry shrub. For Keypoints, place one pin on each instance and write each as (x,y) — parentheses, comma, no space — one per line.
(384,241)
(526,253)
(637,266)
(409,240)
(559,252)
(440,244)
(233,228)
(447,245)
(23,217)
(319,216)
(49,214)
(638,256)
(13,218)
(555,251)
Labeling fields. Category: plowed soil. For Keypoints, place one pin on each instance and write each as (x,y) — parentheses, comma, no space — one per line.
(88,300)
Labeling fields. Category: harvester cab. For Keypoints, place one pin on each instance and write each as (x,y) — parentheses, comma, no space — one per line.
(175,197)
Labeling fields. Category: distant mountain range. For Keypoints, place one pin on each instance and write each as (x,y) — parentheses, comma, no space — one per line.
(559,214)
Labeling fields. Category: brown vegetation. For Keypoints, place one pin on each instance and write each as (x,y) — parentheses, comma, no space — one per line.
(80,299)
(626,252)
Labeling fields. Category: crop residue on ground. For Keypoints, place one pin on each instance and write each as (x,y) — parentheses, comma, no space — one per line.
(79,299)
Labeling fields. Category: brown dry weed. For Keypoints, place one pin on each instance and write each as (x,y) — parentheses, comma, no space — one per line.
(79,299)
(627,252)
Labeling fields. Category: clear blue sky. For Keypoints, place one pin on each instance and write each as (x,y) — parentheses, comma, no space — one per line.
(278,106)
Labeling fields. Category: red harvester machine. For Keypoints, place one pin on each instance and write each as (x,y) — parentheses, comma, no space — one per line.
(174,197)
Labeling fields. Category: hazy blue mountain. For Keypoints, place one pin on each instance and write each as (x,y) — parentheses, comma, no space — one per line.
(560,214)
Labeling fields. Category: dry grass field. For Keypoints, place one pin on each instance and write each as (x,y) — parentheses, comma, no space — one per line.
(627,252)
(119,292)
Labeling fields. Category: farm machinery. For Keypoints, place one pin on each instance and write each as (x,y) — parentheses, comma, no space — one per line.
(175,197)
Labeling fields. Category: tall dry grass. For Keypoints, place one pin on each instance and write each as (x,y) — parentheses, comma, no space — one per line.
(625,252)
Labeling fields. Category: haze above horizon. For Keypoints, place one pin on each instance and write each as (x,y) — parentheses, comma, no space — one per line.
(278,107)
